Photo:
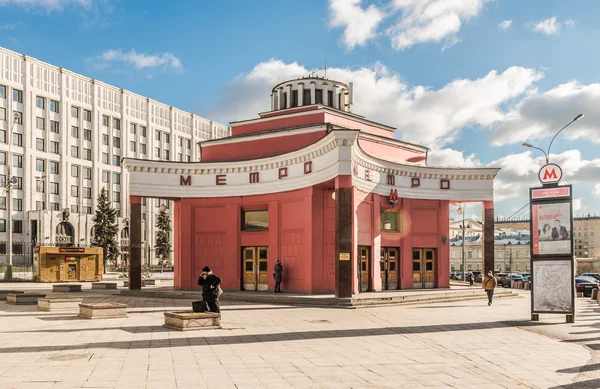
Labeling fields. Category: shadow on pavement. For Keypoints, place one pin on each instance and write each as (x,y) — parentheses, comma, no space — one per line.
(589,384)
(215,339)
(580,369)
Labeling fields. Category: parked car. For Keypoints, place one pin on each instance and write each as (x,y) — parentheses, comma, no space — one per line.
(586,285)
(500,276)
(457,276)
(527,278)
(595,275)
(508,280)
(480,278)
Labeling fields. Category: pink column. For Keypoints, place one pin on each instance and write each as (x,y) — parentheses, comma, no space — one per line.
(443,259)
(488,236)
(406,247)
(375,255)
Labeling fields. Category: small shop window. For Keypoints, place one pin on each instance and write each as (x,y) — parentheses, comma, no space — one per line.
(249,266)
(255,220)
(389,221)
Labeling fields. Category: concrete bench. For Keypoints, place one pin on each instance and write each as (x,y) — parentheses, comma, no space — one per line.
(190,321)
(67,288)
(102,310)
(24,298)
(4,293)
(126,284)
(150,281)
(104,285)
(59,304)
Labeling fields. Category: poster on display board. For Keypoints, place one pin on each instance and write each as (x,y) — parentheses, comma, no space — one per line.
(553,285)
(551,228)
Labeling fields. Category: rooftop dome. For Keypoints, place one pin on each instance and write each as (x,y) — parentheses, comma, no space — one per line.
(310,91)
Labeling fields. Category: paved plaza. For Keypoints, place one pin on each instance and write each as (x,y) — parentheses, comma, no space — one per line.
(452,345)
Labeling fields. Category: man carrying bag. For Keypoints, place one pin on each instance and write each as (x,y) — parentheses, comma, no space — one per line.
(211,291)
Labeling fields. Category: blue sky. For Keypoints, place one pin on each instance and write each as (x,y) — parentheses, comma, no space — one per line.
(472,79)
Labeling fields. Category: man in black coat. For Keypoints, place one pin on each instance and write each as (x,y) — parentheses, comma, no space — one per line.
(209,283)
(559,232)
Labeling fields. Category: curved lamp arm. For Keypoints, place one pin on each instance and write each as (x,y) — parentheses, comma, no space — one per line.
(571,122)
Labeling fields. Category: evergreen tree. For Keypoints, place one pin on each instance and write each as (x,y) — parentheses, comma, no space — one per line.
(163,237)
(106,228)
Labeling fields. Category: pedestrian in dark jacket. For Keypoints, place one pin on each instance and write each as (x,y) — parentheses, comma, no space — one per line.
(210,282)
(278,275)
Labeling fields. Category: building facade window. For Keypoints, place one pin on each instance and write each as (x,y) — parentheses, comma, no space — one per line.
(132,129)
(39,102)
(87,173)
(40,165)
(116,142)
(105,139)
(54,188)
(105,176)
(105,158)
(116,160)
(75,112)
(17,96)
(2,114)
(105,121)
(87,154)
(389,221)
(74,191)
(75,151)
(74,171)
(17,160)
(54,147)
(53,167)
(17,204)
(87,135)
(54,106)
(39,123)
(255,220)
(2,158)
(116,178)
(54,127)
(17,226)
(116,124)
(19,117)
(75,132)
(87,193)
(39,144)
(143,131)
(2,92)
(87,115)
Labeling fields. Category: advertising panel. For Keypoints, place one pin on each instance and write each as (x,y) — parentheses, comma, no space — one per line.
(552,286)
(551,228)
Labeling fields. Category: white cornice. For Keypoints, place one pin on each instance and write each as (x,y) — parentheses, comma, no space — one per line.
(264,135)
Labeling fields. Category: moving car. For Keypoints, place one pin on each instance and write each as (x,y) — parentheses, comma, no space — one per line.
(507,281)
(586,285)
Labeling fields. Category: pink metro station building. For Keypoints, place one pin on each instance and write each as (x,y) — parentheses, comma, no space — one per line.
(345,206)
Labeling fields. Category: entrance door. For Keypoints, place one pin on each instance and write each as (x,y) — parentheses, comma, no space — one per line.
(255,268)
(72,271)
(363,268)
(388,265)
(424,261)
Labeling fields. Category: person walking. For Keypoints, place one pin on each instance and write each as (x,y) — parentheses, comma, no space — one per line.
(489,284)
(210,290)
(470,278)
(278,275)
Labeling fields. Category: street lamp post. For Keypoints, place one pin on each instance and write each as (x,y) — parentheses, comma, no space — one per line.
(547,153)
(40,180)
(8,184)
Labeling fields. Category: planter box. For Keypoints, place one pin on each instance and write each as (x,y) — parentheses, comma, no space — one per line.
(24,298)
(104,285)
(4,293)
(126,284)
(66,288)
(150,281)
(190,321)
(102,310)
(59,304)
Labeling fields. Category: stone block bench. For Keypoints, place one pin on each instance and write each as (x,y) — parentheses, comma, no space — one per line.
(126,284)
(102,310)
(190,321)
(150,281)
(104,285)
(59,304)
(66,288)
(24,298)
(4,293)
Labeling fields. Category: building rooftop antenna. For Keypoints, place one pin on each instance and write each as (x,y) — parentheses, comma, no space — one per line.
(325,69)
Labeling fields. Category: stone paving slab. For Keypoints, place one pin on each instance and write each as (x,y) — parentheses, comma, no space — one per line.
(453,345)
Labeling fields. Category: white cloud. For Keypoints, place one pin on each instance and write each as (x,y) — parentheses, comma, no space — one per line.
(451,157)
(570,23)
(540,115)
(597,190)
(430,20)
(548,26)
(359,24)
(519,172)
(505,25)
(577,205)
(49,5)
(7,27)
(138,60)
(422,115)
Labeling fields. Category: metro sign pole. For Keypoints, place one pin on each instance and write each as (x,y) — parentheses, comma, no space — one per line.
(552,261)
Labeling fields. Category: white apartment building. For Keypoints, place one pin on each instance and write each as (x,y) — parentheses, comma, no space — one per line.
(68,144)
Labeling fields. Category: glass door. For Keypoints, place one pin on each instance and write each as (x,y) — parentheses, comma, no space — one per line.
(363,268)
(388,265)
(255,268)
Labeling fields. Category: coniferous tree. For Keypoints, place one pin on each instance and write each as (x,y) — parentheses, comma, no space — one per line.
(106,228)
(163,238)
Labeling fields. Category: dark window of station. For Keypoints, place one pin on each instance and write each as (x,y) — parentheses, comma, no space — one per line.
(284,100)
(249,266)
(318,96)
(255,220)
(306,97)
(340,101)
(330,98)
(294,98)
(389,221)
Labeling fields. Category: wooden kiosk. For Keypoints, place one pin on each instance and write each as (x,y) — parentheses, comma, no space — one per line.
(63,264)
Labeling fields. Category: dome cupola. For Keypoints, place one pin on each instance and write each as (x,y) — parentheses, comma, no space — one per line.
(311,90)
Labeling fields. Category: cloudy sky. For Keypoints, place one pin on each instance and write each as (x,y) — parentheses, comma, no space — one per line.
(471,79)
